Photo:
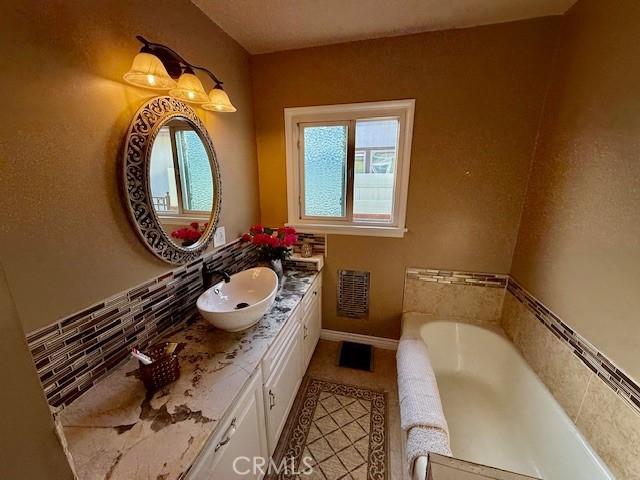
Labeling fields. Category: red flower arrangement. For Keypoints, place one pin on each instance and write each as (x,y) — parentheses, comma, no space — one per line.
(189,235)
(273,244)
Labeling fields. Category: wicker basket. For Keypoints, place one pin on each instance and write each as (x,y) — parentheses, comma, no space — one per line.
(164,369)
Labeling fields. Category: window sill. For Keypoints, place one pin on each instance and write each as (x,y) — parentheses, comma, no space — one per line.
(364,230)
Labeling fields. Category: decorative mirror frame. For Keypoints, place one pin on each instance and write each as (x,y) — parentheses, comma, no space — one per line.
(142,132)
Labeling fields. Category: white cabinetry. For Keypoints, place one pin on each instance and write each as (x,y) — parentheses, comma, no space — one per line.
(281,387)
(241,434)
(255,422)
(311,321)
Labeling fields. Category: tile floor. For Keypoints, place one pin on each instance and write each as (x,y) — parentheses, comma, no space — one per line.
(324,365)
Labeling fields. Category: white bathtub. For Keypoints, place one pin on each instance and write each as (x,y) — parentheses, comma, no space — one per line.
(499,412)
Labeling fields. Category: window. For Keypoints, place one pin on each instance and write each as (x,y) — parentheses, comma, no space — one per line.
(348,167)
(180,172)
(324,170)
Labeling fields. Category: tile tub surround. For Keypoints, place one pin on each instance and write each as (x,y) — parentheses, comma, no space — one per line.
(589,355)
(598,397)
(118,431)
(74,353)
(446,294)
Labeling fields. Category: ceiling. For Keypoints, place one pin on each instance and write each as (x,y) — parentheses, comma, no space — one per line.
(263,26)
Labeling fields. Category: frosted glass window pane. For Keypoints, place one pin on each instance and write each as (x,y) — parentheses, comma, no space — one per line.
(164,190)
(374,180)
(325,164)
(195,169)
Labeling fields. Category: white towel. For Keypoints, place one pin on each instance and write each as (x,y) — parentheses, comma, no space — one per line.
(417,387)
(422,440)
(421,414)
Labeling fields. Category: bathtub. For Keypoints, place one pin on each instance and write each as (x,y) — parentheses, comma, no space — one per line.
(499,412)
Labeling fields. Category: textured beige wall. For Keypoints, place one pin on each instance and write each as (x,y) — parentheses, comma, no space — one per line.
(479,94)
(29,448)
(66,238)
(578,249)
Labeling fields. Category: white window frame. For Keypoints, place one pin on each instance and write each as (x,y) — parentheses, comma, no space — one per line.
(293,117)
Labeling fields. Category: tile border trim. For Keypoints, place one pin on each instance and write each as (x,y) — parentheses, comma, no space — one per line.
(589,355)
(456,277)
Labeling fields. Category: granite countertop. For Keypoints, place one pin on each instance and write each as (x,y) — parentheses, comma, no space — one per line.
(118,431)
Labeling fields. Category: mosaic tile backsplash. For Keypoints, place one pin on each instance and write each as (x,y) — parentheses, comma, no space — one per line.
(300,265)
(317,240)
(74,353)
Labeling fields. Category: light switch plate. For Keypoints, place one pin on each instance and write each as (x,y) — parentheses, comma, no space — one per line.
(219,237)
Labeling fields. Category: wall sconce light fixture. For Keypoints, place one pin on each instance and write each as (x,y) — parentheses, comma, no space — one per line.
(158,67)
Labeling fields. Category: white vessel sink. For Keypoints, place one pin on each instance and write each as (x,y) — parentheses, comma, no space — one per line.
(240,303)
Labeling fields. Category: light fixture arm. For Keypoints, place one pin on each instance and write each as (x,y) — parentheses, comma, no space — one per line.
(173,61)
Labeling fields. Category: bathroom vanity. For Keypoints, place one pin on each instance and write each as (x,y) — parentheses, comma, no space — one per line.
(232,398)
(253,426)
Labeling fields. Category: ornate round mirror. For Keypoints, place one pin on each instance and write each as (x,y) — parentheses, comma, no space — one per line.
(171,180)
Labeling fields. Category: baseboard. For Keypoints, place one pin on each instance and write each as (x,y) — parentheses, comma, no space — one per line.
(380,342)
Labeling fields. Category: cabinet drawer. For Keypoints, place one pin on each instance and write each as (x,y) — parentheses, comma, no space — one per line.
(241,434)
(280,389)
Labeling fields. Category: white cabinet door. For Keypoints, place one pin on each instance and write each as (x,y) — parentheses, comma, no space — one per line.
(242,434)
(311,326)
(280,344)
(281,387)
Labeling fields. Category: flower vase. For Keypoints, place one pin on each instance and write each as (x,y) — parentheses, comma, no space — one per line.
(276,266)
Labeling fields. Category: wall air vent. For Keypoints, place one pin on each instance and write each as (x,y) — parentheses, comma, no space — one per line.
(353,294)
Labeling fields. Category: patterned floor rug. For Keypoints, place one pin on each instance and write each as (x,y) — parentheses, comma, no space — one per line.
(334,431)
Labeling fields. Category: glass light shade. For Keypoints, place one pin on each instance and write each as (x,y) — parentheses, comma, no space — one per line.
(189,89)
(148,71)
(219,101)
